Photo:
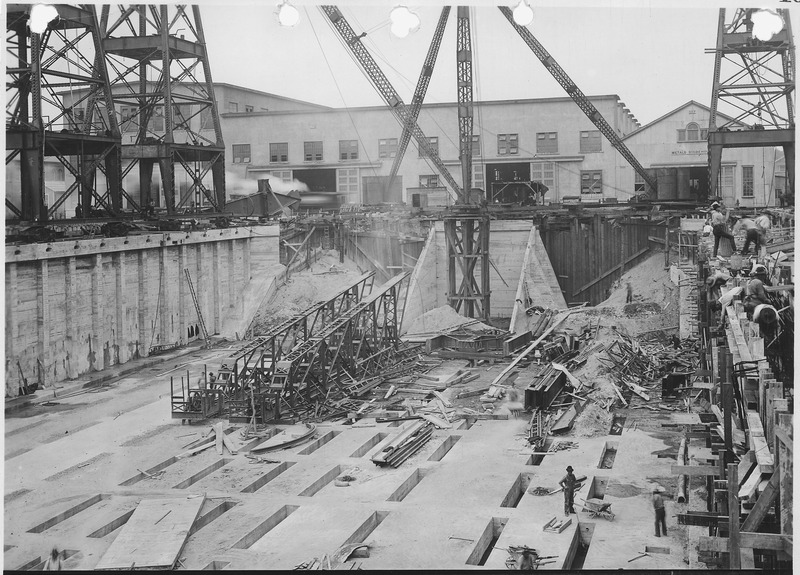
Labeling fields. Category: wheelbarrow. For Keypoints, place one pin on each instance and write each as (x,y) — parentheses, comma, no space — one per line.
(598,508)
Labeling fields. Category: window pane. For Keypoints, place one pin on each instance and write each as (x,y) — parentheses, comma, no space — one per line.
(591,141)
(747,182)
(547,143)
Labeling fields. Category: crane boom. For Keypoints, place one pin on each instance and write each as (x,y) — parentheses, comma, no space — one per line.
(387,92)
(579,97)
(420,91)
(464,79)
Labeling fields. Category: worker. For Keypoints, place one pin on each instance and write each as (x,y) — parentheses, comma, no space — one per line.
(629,298)
(527,561)
(53,562)
(568,484)
(752,233)
(707,228)
(661,514)
(754,293)
(718,224)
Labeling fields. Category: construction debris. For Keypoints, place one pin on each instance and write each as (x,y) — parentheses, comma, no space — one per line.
(405,444)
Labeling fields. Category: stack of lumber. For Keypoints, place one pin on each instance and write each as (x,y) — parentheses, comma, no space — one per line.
(556,526)
(406,444)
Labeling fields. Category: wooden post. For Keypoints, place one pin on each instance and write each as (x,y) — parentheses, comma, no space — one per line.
(682,478)
(727,407)
(735,561)
(666,244)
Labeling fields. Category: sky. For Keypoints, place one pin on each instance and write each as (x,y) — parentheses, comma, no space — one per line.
(651,56)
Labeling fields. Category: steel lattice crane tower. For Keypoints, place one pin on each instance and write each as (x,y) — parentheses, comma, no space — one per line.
(754,84)
(57,105)
(161,82)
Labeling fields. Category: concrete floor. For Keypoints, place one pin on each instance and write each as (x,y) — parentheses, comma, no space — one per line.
(72,476)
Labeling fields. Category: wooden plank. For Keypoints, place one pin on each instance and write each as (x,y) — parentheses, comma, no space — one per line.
(748,488)
(702,519)
(231,444)
(441,424)
(695,470)
(218,439)
(444,400)
(765,460)
(781,434)
(733,518)
(154,535)
(771,541)
(760,509)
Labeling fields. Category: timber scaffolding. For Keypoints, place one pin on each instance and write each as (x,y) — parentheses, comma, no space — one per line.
(311,366)
(747,458)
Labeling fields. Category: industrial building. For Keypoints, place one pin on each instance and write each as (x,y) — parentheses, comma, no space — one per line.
(248,331)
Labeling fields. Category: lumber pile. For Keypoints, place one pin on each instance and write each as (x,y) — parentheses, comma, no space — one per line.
(404,445)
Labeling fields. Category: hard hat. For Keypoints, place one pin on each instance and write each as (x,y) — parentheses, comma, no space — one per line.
(569,468)
(715,204)
(759,269)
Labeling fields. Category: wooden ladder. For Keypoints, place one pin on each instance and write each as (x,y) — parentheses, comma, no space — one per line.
(197,308)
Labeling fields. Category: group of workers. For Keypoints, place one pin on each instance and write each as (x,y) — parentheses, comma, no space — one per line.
(756,229)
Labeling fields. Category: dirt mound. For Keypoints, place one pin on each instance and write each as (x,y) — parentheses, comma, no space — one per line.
(325,278)
(442,319)
(592,421)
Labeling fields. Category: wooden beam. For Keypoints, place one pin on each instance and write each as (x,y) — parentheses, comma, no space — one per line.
(702,519)
(733,518)
(695,470)
(760,509)
(781,434)
(771,541)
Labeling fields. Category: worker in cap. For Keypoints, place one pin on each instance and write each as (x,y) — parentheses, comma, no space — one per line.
(719,226)
(661,514)
(568,484)
(754,292)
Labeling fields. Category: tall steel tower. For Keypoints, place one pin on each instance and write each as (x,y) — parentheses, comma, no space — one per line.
(57,103)
(754,85)
(162,88)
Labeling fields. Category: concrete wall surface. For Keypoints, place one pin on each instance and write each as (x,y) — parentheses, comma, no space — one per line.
(74,307)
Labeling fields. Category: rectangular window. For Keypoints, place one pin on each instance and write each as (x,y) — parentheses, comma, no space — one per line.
(206,118)
(591,142)
(748,188)
(476,146)
(545,172)
(547,143)
(241,153)
(248,109)
(681,135)
(433,142)
(233,107)
(283,175)
(387,148)
(181,116)
(704,134)
(431,181)
(312,151)
(348,149)
(157,120)
(591,181)
(279,152)
(478,180)
(728,181)
(638,183)
(347,183)
(507,144)
(128,120)
(53,173)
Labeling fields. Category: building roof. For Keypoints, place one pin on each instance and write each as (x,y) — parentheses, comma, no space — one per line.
(675,111)
(271,95)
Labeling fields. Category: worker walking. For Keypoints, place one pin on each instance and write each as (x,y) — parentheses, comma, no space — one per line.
(53,562)
(568,484)
(718,223)
(661,514)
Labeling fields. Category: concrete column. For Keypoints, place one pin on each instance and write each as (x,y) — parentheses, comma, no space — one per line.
(70,315)
(216,280)
(246,244)
(203,287)
(97,339)
(120,349)
(12,321)
(232,292)
(163,311)
(143,316)
(43,322)
(184,298)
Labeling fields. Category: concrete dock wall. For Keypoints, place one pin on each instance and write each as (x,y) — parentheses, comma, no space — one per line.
(78,306)
(509,241)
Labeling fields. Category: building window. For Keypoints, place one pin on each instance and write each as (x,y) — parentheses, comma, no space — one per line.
(233,107)
(156,123)
(433,143)
(128,120)
(591,142)
(248,109)
(241,153)
(544,172)
(547,143)
(591,181)
(347,183)
(478,181)
(748,189)
(279,152)
(692,133)
(312,151)
(507,144)
(638,183)
(728,181)
(348,149)
(476,146)
(283,175)
(387,148)
(54,173)
(431,181)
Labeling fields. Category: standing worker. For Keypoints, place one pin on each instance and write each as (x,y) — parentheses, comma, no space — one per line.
(568,484)
(718,223)
(53,562)
(661,514)
(752,233)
